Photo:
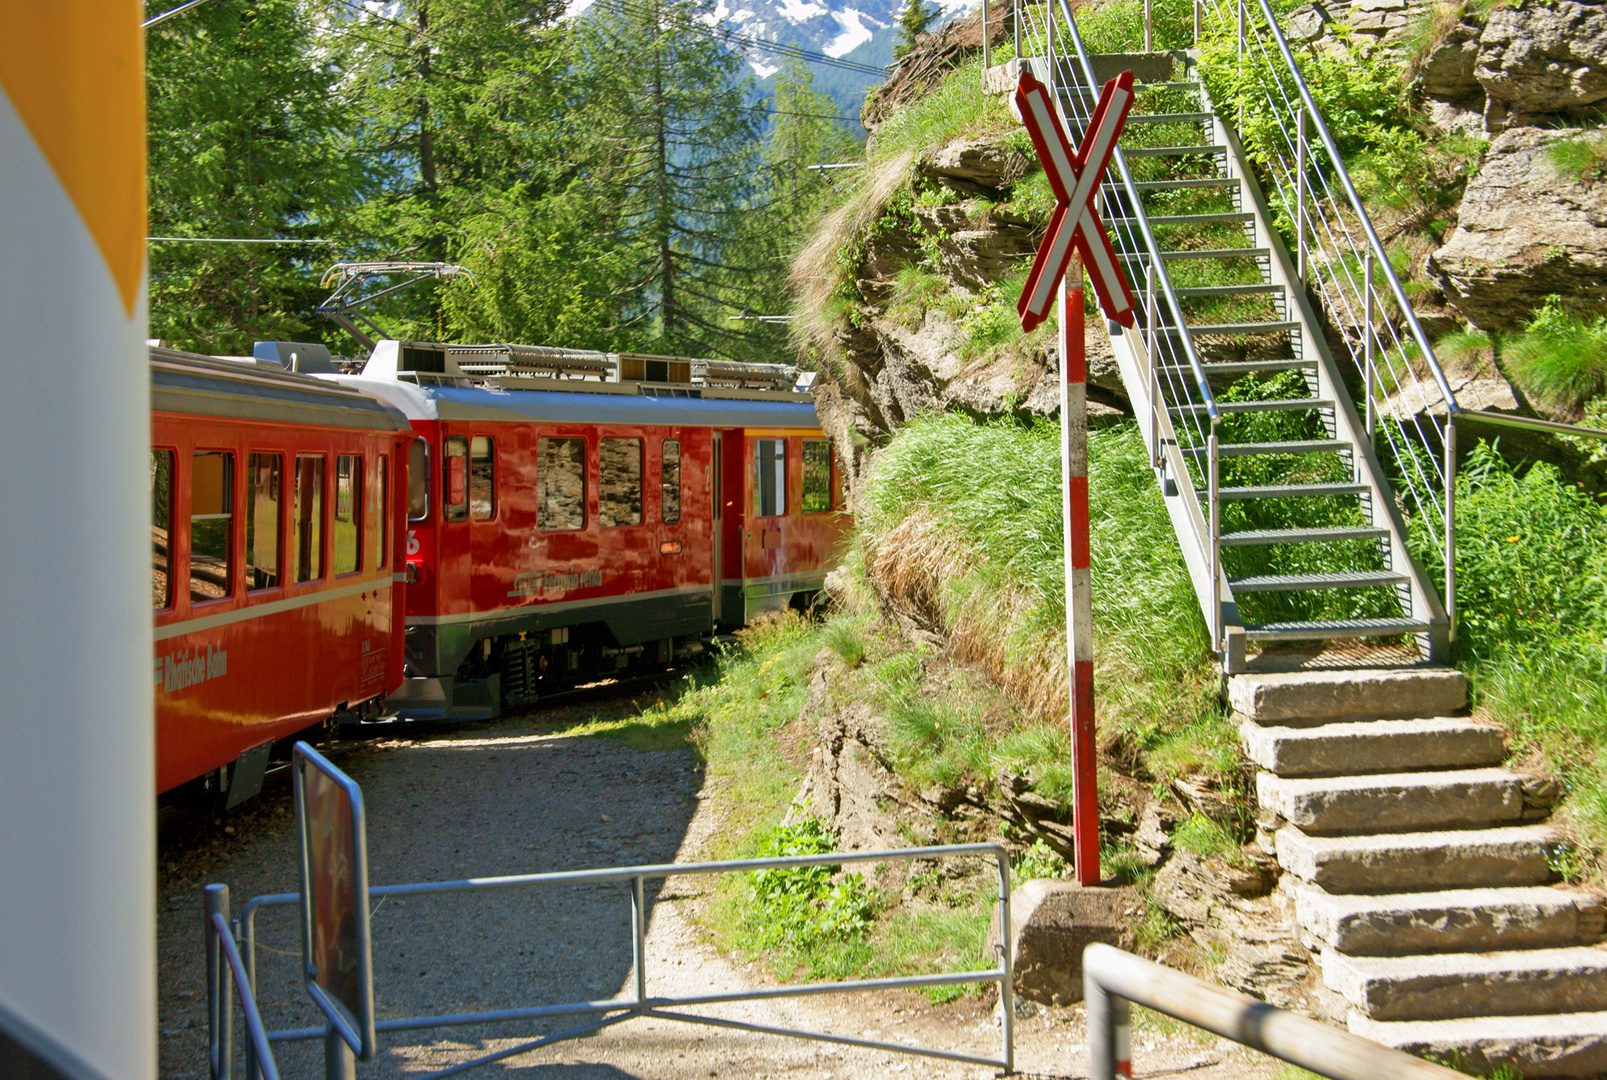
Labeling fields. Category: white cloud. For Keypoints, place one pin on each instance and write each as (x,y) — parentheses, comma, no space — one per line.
(764,71)
(799,10)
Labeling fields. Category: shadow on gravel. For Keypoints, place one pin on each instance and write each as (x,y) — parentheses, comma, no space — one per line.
(475,801)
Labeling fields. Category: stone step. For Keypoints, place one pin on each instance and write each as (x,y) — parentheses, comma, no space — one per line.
(1446,985)
(1372,746)
(1405,862)
(1363,693)
(1393,802)
(1454,920)
(1566,1044)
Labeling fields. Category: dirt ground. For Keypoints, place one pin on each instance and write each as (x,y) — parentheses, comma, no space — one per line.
(517,796)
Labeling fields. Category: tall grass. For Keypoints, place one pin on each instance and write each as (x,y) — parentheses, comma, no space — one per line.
(1561,356)
(960,528)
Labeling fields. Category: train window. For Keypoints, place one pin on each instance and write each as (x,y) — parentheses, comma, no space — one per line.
(619,482)
(670,480)
(307,548)
(560,484)
(211,524)
(264,515)
(482,479)
(455,477)
(161,528)
(769,477)
(347,538)
(418,480)
(380,510)
(816,495)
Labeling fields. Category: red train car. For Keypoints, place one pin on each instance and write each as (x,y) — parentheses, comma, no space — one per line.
(277,527)
(572,514)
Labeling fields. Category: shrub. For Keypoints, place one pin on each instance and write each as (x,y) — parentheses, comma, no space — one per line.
(799,907)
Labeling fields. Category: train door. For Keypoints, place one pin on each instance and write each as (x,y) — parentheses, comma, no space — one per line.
(719,519)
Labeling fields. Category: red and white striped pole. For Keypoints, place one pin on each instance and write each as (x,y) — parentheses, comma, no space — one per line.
(1079,597)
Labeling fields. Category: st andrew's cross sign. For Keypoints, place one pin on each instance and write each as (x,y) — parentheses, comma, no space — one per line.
(1074,178)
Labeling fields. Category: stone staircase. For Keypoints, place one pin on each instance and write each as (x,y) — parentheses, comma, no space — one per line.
(1417,870)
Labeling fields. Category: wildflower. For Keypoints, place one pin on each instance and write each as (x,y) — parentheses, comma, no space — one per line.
(1513,539)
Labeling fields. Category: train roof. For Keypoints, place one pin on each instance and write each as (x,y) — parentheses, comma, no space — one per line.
(191,384)
(567,386)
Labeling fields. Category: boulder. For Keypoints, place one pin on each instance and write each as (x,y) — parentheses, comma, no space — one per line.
(1525,231)
(1540,60)
(1051,923)
(1450,71)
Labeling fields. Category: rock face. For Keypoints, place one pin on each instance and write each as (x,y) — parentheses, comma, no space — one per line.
(1543,60)
(1525,232)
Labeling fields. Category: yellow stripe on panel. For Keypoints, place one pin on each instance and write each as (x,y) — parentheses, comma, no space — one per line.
(74,71)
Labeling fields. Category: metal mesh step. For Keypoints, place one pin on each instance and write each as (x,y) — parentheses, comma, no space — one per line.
(1238,367)
(1281,326)
(1226,290)
(1225,218)
(1336,628)
(1288,491)
(1274,405)
(1188,182)
(1347,579)
(1317,535)
(1200,253)
(1216,150)
(1298,446)
(1170,118)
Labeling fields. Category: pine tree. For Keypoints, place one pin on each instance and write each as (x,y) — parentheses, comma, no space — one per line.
(807,135)
(912,22)
(246,141)
(673,159)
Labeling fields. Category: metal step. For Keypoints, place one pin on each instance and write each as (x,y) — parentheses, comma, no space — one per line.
(1226,290)
(1298,446)
(1348,579)
(1190,182)
(1171,118)
(1317,535)
(1271,405)
(1086,92)
(1237,367)
(1288,491)
(1201,253)
(1238,328)
(1216,150)
(1337,628)
(1225,218)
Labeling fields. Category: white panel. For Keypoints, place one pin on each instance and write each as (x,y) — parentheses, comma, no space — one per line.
(77,770)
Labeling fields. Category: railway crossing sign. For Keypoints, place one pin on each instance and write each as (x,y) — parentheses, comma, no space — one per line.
(1074,178)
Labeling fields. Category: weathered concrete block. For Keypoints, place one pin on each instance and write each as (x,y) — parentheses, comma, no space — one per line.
(1410,862)
(1393,802)
(1454,920)
(1447,985)
(1051,923)
(1361,694)
(1373,746)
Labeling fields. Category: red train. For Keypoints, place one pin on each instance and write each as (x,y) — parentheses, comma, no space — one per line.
(543,517)
(574,514)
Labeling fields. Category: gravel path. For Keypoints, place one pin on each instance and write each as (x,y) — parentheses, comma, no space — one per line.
(514,797)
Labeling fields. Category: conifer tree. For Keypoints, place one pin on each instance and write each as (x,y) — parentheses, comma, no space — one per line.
(247,141)
(912,22)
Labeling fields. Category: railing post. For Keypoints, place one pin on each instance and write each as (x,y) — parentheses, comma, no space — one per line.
(339,1061)
(1154,376)
(1300,198)
(1049,49)
(1368,360)
(1196,23)
(1241,64)
(639,937)
(1214,482)
(987,46)
(219,986)
(1450,519)
(1015,25)
(1110,1030)
(1149,27)
(1007,984)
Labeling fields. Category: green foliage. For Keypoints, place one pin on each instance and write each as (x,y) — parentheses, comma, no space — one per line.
(248,139)
(1581,158)
(1208,839)
(1561,357)
(1035,862)
(913,19)
(800,906)
(954,108)
(1118,25)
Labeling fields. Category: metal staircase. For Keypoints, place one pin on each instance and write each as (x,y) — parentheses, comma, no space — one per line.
(1288,522)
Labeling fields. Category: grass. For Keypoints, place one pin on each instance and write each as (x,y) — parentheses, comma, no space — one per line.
(1581,158)
(1561,356)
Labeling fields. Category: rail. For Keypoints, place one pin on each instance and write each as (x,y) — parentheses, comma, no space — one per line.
(222,951)
(1113,978)
(603,1014)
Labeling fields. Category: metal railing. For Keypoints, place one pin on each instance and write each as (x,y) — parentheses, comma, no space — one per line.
(223,952)
(602,1014)
(1345,266)
(1113,978)
(1173,369)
